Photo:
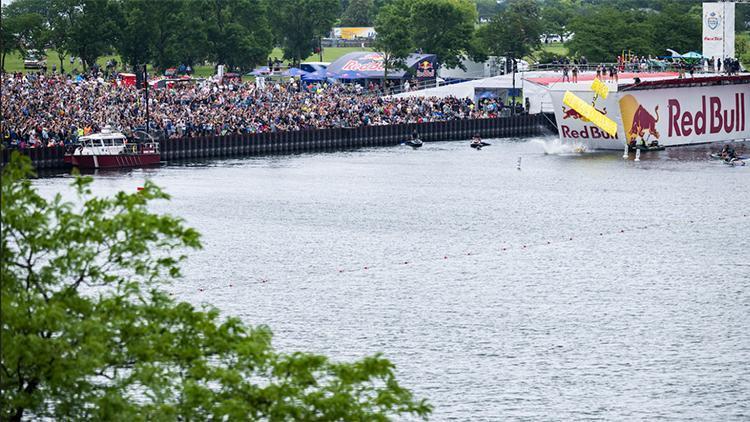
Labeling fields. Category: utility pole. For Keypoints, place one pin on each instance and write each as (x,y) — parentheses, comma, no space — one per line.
(145,84)
(513,73)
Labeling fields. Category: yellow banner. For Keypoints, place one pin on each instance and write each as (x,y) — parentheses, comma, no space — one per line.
(600,88)
(588,111)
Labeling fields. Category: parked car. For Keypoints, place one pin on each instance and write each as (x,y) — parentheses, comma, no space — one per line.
(34,60)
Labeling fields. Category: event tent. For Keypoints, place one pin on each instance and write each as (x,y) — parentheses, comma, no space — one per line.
(370,66)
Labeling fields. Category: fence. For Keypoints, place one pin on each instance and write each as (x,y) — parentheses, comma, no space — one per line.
(295,142)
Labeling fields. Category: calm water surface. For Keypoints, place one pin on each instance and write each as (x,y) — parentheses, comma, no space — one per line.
(579,287)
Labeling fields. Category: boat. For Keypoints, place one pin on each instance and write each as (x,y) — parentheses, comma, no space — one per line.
(651,106)
(414,143)
(109,149)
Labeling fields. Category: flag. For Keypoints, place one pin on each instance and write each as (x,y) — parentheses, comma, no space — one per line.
(588,111)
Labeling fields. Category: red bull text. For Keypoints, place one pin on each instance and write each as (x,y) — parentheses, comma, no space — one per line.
(716,119)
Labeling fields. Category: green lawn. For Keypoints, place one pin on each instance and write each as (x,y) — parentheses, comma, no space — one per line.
(14,63)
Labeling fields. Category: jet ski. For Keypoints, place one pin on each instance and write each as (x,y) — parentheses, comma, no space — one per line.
(414,143)
(717,156)
(479,144)
(737,161)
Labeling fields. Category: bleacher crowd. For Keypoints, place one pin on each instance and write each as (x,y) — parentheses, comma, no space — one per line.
(45,110)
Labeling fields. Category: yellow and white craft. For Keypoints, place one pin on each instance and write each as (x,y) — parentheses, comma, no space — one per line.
(589,112)
(600,88)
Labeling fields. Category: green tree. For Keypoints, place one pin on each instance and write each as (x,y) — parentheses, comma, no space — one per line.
(515,31)
(677,27)
(92,29)
(486,8)
(24,26)
(358,13)
(603,32)
(394,40)
(555,15)
(63,14)
(444,28)
(9,41)
(87,327)
(135,30)
(299,25)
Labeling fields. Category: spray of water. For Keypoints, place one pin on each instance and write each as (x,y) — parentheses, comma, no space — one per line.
(557,147)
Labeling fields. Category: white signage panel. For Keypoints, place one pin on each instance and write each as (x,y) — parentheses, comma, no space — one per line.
(718,30)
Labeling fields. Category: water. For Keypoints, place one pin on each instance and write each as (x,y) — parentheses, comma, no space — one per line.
(582,286)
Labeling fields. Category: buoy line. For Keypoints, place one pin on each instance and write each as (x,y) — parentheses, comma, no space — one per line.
(504,249)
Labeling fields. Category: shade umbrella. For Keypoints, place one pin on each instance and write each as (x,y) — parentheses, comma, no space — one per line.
(675,55)
(294,71)
(692,55)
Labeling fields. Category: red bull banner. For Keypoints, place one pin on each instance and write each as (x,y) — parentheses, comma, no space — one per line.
(670,116)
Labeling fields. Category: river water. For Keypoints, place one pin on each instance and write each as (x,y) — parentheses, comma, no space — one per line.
(578,287)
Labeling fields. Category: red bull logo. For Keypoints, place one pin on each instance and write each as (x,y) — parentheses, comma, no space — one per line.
(425,69)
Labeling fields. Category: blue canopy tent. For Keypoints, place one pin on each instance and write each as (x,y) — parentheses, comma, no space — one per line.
(347,75)
(261,71)
(294,71)
(317,76)
(370,66)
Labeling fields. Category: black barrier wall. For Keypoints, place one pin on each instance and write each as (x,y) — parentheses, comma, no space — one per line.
(317,140)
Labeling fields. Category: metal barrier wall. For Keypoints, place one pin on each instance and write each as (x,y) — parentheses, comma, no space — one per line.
(316,140)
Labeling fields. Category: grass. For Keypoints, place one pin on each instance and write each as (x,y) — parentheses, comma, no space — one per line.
(553,47)
(14,62)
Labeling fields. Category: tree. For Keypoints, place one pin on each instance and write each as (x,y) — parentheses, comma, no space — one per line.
(8,38)
(24,27)
(299,25)
(623,30)
(92,29)
(555,15)
(486,8)
(358,13)
(86,326)
(444,28)
(394,37)
(515,31)
(676,27)
(135,30)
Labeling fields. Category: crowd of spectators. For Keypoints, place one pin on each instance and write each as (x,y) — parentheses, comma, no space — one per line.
(45,110)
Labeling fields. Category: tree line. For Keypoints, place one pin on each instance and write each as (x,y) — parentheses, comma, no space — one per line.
(242,33)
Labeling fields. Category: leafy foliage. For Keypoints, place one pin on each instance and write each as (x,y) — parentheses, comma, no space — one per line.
(358,13)
(89,334)
(602,32)
(445,28)
(394,40)
(515,31)
(300,23)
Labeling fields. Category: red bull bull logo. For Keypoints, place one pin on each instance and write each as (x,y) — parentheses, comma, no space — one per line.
(643,122)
